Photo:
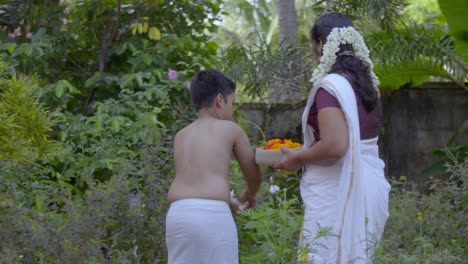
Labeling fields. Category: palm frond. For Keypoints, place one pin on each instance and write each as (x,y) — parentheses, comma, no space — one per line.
(387,12)
(266,72)
(429,47)
(229,37)
(251,20)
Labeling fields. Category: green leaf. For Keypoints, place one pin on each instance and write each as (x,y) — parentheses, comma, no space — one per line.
(119,50)
(59,89)
(152,2)
(160,124)
(212,45)
(12,48)
(115,125)
(63,135)
(98,124)
(94,79)
(154,33)
(25,48)
(62,86)
(126,80)
(414,74)
(455,12)
(139,79)
(146,59)
(40,33)
(410,55)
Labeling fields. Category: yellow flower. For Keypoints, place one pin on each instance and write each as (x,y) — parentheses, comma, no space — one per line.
(303,254)
(419,215)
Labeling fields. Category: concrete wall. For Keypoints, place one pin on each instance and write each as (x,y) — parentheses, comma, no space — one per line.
(415,121)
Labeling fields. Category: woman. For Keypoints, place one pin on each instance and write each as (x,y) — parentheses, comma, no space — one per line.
(343,184)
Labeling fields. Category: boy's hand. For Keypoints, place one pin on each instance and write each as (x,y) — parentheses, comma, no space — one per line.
(249,198)
(234,205)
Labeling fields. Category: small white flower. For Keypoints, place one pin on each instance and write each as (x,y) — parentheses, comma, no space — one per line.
(21,256)
(232,194)
(274,189)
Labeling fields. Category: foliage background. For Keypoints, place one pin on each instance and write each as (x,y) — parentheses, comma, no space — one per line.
(88,112)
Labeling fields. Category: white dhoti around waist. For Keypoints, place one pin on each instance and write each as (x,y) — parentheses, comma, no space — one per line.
(201,231)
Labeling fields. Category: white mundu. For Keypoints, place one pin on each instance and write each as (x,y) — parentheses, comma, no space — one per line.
(351,196)
(201,231)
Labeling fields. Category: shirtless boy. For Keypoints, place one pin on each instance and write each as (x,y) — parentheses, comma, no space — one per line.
(199,225)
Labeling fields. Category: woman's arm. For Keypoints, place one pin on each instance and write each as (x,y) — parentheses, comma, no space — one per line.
(332,145)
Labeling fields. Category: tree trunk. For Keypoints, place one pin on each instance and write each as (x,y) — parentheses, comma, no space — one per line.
(108,37)
(287,22)
(290,92)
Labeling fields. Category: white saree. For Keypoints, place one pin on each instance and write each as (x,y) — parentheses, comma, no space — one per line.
(349,197)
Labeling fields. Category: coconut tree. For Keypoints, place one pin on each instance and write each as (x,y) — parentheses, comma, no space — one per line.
(261,48)
(410,41)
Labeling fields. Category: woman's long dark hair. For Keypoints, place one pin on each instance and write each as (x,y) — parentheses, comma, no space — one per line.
(347,64)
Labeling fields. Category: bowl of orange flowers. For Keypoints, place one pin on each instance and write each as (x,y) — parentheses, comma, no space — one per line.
(271,153)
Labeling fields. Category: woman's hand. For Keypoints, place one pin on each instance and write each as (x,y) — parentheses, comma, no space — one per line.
(289,162)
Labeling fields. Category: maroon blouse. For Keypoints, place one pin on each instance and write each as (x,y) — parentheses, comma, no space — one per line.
(369,122)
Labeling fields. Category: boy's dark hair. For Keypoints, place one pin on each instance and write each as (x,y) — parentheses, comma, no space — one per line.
(206,85)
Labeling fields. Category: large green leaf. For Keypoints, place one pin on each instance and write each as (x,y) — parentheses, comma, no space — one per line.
(412,73)
(412,54)
(455,12)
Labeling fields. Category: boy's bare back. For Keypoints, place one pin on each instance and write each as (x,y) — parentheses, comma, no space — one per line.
(202,153)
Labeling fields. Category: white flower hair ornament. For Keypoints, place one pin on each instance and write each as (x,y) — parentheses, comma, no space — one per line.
(345,35)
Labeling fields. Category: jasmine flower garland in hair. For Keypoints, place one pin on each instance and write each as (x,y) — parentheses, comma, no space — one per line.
(346,35)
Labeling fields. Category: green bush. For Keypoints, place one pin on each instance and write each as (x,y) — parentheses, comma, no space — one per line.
(98,196)
(428,227)
(270,233)
(423,227)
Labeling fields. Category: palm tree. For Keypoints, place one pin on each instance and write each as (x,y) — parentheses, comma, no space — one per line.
(403,50)
(252,36)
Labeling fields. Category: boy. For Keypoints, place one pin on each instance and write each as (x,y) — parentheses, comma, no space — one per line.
(199,225)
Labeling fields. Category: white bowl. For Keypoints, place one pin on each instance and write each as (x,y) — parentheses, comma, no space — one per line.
(270,157)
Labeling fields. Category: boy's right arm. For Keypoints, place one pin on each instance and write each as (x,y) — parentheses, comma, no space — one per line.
(246,158)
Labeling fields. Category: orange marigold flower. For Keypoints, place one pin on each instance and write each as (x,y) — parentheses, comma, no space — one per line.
(276,144)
